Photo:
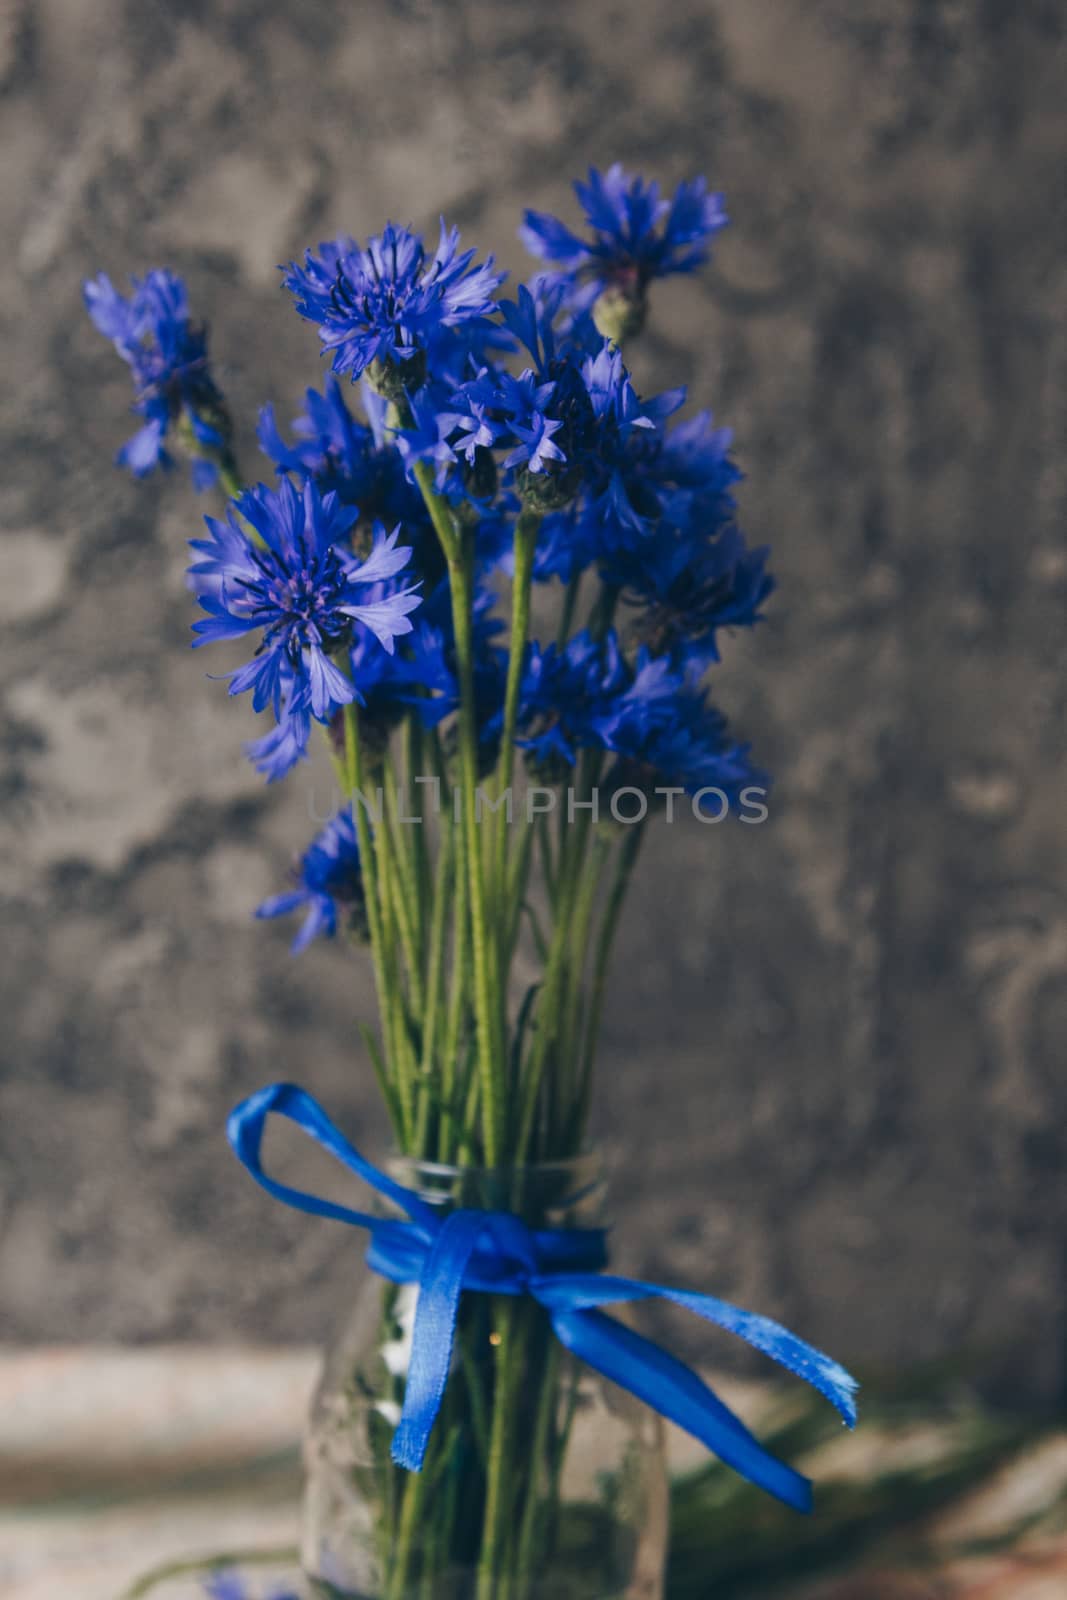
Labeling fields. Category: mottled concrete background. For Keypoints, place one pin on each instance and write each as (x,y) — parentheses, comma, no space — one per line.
(832,1077)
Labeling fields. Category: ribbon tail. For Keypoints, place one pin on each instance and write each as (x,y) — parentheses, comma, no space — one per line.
(587,1290)
(673,1389)
(771,1339)
(440,1287)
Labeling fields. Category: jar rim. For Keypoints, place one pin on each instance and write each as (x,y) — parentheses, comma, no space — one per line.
(583,1162)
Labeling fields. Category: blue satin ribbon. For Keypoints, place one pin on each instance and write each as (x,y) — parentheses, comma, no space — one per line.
(494,1252)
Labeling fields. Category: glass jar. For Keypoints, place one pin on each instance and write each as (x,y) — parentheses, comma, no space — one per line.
(543,1480)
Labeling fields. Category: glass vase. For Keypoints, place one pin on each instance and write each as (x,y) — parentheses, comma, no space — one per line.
(543,1480)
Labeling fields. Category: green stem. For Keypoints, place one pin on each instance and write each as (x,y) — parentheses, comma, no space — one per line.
(459,559)
(493,1584)
(568,877)
(609,925)
(489,1031)
(526,528)
(602,612)
(517,882)
(391,912)
(473,1377)
(403,1550)
(457,1000)
(414,746)
(229,477)
(546,1407)
(570,601)
(354,785)
(440,513)
(547,1016)
(434,983)
(547,855)
(569,1064)
(402,839)
(403,889)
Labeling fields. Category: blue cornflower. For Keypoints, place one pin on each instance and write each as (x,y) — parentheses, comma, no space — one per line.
(544,417)
(469,415)
(330,884)
(422,666)
(524,404)
(530,319)
(642,697)
(426,679)
(472,418)
(358,463)
(621,501)
(563,550)
(330,442)
(649,714)
(695,455)
(427,440)
(388,302)
(167,357)
(484,411)
(614,400)
(425,674)
(558,348)
(641,478)
(637,236)
(566,693)
(688,585)
(682,741)
(663,732)
(303,589)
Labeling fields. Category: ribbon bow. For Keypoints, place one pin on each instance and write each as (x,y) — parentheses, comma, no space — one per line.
(494,1252)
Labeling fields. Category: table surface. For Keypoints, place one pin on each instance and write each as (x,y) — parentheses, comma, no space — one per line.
(117,1461)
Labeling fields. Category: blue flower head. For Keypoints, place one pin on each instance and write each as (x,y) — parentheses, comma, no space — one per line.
(167,357)
(331,443)
(344,456)
(383,306)
(543,418)
(650,714)
(636,236)
(302,589)
(524,404)
(427,440)
(329,886)
(623,498)
(688,585)
(566,694)
(678,740)
(423,676)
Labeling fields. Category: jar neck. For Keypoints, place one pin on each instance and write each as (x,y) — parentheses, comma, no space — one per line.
(549,1194)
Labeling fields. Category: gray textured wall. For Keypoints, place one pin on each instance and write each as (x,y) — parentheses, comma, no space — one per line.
(833,1069)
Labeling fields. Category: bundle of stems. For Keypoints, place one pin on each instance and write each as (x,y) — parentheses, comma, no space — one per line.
(479,1070)
(472,1066)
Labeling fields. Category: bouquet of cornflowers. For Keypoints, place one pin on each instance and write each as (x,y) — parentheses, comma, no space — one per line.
(496,786)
